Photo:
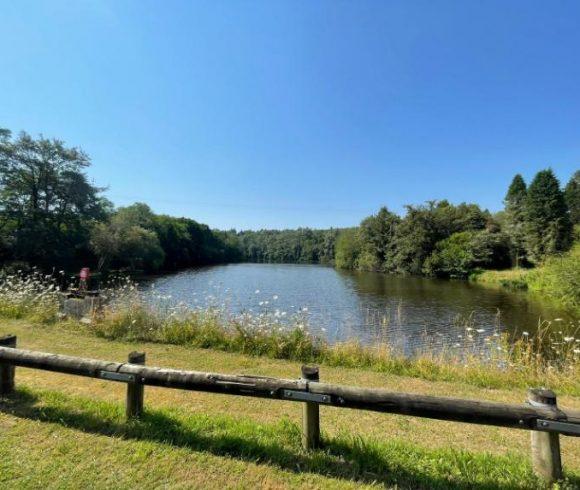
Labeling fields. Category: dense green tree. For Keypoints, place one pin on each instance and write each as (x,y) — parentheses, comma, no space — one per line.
(515,218)
(466,251)
(138,214)
(347,249)
(424,226)
(123,244)
(377,236)
(548,226)
(137,237)
(572,195)
(47,204)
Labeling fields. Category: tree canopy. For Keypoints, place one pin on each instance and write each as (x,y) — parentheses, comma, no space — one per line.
(47,203)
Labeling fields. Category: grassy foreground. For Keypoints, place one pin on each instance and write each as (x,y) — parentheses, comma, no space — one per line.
(60,431)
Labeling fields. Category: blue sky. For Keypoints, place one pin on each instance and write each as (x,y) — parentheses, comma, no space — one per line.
(277,114)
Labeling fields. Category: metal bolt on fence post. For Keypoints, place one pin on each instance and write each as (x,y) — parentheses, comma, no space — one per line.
(546,459)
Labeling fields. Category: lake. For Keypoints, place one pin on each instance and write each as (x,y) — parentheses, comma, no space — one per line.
(411,313)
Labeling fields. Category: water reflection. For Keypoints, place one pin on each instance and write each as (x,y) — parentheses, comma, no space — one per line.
(408,312)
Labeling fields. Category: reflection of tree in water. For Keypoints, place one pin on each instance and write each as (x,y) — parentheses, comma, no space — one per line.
(410,313)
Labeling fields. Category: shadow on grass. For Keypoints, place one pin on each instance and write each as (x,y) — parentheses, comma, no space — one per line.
(344,458)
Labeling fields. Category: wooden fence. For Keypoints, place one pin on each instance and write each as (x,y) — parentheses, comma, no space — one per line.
(540,414)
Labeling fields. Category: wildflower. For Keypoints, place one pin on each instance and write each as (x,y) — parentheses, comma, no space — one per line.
(526,333)
(558,319)
(568,339)
(480,330)
(275,297)
(257,291)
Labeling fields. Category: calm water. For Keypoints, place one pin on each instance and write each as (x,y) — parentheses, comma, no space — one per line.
(409,312)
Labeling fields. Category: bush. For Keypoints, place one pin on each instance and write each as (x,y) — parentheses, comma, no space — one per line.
(464,252)
(559,277)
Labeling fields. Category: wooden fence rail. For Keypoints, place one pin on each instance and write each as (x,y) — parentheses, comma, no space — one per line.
(540,414)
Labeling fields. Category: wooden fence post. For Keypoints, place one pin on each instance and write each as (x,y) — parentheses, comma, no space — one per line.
(546,459)
(135,391)
(7,370)
(310,413)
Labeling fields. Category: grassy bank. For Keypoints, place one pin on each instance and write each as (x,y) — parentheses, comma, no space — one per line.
(558,278)
(61,432)
(549,358)
(519,363)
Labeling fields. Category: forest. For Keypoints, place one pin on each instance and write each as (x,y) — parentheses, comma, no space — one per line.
(446,240)
(54,218)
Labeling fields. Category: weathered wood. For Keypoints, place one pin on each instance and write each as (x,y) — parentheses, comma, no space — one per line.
(442,408)
(257,386)
(459,410)
(7,369)
(310,412)
(135,391)
(546,458)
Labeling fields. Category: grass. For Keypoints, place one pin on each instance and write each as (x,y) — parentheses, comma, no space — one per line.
(515,279)
(507,363)
(65,432)
(522,369)
(557,278)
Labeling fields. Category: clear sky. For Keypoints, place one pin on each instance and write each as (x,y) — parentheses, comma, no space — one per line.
(269,114)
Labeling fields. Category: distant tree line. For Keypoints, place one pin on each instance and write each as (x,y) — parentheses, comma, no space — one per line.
(448,240)
(53,217)
(301,246)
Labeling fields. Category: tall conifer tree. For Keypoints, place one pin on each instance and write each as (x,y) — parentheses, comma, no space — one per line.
(515,218)
(548,226)
(572,195)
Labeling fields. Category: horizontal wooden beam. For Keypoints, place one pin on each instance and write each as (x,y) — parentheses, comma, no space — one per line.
(435,407)
(442,408)
(152,376)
